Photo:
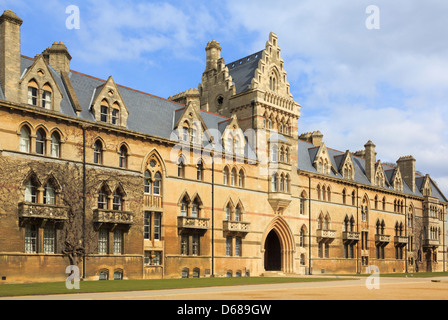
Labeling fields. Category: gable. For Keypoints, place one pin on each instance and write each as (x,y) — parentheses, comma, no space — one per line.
(108,105)
(40,77)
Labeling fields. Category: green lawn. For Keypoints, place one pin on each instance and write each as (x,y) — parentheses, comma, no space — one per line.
(9,290)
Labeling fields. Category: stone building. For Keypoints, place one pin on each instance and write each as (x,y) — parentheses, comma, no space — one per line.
(214,181)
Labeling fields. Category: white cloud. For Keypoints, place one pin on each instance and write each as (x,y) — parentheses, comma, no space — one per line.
(388,85)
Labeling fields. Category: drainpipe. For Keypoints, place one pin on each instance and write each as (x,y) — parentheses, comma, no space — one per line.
(309,226)
(213,215)
(406,233)
(84,194)
(357,229)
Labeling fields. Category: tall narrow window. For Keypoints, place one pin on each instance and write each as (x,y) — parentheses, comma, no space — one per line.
(184,209)
(200,171)
(118,242)
(157,184)
(102,199)
(147,226)
(241,179)
(115,116)
(184,245)
(195,210)
(46,97)
(49,240)
(233,177)
(30,239)
(98,153)
(103,242)
(25,139)
(157,226)
(32,94)
(104,115)
(229,246)
(55,145)
(274,183)
(49,194)
(40,141)
(117,202)
(238,243)
(148,184)
(30,192)
(123,157)
(228,212)
(226,176)
(195,245)
(181,168)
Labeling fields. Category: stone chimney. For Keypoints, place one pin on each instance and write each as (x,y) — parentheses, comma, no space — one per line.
(58,57)
(370,158)
(316,138)
(213,50)
(10,58)
(407,169)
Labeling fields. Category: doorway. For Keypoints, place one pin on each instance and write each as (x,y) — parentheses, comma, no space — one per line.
(273,253)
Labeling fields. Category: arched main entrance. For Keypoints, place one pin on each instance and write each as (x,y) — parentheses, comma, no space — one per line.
(278,247)
(272,253)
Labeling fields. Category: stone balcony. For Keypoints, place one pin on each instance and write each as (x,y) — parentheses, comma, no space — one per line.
(382,239)
(193,223)
(351,236)
(113,217)
(401,241)
(325,235)
(236,226)
(42,211)
(431,243)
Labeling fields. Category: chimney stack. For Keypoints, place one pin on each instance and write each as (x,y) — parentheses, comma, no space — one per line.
(10,55)
(407,169)
(370,158)
(58,57)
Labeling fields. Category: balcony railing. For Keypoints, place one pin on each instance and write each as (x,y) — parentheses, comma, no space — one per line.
(236,226)
(351,236)
(42,211)
(326,235)
(193,223)
(382,238)
(399,240)
(431,243)
(113,217)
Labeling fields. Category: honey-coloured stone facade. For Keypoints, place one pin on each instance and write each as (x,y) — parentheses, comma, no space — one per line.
(214,181)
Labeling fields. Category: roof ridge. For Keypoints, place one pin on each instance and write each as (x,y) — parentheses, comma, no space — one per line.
(118,85)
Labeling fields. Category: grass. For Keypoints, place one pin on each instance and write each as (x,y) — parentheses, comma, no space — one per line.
(53,288)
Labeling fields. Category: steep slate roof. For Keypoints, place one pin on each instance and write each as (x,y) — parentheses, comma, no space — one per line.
(242,71)
(148,114)
(307,153)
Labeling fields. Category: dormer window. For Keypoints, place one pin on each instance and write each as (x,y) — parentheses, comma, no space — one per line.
(104,113)
(115,116)
(46,97)
(33,91)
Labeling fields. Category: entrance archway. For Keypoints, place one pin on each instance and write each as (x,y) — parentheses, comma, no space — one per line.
(272,253)
(278,247)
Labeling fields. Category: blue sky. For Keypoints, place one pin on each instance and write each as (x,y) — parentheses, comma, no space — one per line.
(354,84)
